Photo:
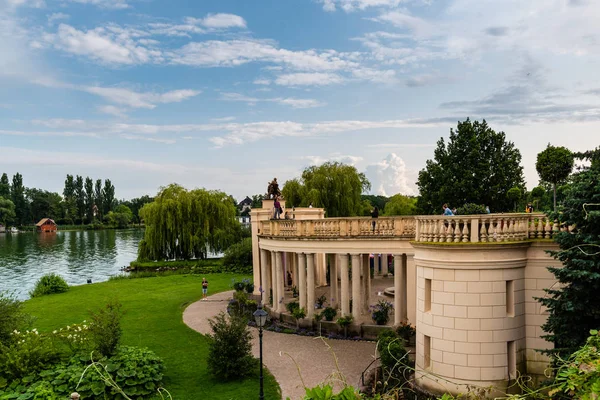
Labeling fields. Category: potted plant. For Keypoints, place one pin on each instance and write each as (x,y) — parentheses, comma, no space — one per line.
(248,285)
(329,313)
(318,317)
(407,332)
(321,301)
(292,306)
(344,322)
(380,312)
(299,313)
(294,291)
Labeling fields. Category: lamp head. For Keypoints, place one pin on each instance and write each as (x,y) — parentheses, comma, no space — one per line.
(260,316)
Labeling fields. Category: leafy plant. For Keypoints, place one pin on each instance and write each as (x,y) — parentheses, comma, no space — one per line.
(239,286)
(249,286)
(294,291)
(28,353)
(299,313)
(105,328)
(321,301)
(329,313)
(292,306)
(406,331)
(238,257)
(230,355)
(471,209)
(12,316)
(380,312)
(325,392)
(344,322)
(49,284)
(242,307)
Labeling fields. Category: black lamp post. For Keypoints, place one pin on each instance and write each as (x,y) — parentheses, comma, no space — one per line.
(260,316)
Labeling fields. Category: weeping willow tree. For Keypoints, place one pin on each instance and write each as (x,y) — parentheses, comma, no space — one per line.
(334,186)
(184,225)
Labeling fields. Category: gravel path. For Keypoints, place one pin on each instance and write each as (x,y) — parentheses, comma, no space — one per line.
(312,355)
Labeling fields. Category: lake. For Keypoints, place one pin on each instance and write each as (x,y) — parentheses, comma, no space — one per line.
(76,256)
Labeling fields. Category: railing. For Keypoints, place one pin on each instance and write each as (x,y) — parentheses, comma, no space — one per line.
(430,228)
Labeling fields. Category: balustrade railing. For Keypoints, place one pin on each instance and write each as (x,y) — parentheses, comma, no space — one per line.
(486,228)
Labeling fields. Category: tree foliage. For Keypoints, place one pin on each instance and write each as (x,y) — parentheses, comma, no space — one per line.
(574,307)
(554,166)
(80,198)
(98,198)
(44,204)
(17,192)
(401,205)
(4,186)
(184,225)
(89,199)
(334,186)
(7,211)
(477,165)
(108,197)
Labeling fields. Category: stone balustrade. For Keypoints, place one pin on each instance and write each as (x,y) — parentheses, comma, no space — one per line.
(486,228)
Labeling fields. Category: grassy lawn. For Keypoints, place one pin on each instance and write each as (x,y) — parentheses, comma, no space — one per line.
(153,318)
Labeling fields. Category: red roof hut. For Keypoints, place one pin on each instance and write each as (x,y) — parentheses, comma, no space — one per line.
(46,225)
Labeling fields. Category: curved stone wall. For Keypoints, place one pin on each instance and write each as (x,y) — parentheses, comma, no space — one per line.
(471,323)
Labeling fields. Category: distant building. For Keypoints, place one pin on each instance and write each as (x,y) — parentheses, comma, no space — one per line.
(244,220)
(245,204)
(46,225)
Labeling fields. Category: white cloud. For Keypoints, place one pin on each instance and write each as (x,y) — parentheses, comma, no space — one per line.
(113,110)
(290,101)
(389,177)
(308,79)
(403,20)
(110,45)
(219,21)
(400,145)
(353,5)
(49,133)
(52,18)
(108,4)
(346,159)
(140,100)
(262,81)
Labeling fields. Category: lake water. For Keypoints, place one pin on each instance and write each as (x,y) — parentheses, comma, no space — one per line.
(77,256)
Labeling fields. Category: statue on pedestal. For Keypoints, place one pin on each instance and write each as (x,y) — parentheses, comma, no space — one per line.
(273,190)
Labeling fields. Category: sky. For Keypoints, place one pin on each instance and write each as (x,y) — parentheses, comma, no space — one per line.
(229,94)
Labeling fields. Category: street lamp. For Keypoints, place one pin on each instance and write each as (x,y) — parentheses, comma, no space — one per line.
(260,316)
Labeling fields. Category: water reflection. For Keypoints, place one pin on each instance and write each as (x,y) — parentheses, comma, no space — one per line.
(76,256)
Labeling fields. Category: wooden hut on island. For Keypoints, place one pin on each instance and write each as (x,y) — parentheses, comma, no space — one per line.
(46,225)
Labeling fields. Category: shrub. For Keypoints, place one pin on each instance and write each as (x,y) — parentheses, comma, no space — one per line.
(406,331)
(321,301)
(391,349)
(471,209)
(230,354)
(299,313)
(241,307)
(28,353)
(380,312)
(49,284)
(344,322)
(12,317)
(105,328)
(329,313)
(292,306)
(238,257)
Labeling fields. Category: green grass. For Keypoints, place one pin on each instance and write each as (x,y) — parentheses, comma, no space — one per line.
(153,319)
(146,265)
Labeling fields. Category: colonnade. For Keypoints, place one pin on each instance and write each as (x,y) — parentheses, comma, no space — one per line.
(349,277)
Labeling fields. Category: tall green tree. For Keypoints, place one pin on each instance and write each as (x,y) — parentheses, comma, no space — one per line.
(80,199)
(478,165)
(376,200)
(99,198)
(7,211)
(257,201)
(293,193)
(514,195)
(135,205)
(554,166)
(334,186)
(574,305)
(4,186)
(108,196)
(69,198)
(44,204)
(89,199)
(17,193)
(183,225)
(400,205)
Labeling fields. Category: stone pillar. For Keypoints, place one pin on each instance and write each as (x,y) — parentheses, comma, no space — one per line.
(376,264)
(356,297)
(310,285)
(302,280)
(345,289)
(264,284)
(399,289)
(384,264)
(273,281)
(295,273)
(334,300)
(367,294)
(280,290)
(364,284)
(411,289)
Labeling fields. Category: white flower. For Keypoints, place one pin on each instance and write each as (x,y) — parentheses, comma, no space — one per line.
(55,331)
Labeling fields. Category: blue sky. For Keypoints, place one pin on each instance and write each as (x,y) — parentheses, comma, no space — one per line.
(228,94)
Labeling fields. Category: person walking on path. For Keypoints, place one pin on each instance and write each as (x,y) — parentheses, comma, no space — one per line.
(204,288)
(374,215)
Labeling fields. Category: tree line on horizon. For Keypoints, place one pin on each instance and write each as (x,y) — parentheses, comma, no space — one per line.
(83,201)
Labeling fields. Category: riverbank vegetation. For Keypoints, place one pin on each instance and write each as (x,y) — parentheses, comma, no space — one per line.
(152,318)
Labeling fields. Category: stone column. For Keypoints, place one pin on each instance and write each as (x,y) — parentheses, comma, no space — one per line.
(411,289)
(280,307)
(302,280)
(333,281)
(295,273)
(264,296)
(384,264)
(399,289)
(364,283)
(345,290)
(367,294)
(356,297)
(376,264)
(310,285)
(273,281)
